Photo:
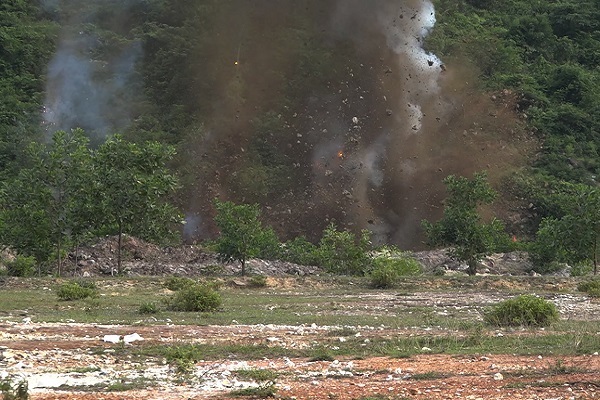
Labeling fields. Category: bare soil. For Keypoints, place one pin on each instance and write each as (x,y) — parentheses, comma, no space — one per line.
(65,361)
(72,360)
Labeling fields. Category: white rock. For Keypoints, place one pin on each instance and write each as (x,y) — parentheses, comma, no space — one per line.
(134,337)
(498,376)
(111,338)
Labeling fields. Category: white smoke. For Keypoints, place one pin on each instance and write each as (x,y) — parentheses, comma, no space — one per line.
(83,89)
(411,84)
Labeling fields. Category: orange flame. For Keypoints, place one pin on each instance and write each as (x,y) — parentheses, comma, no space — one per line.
(340,154)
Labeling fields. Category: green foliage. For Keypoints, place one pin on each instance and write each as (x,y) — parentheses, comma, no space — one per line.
(548,52)
(524,310)
(262,391)
(148,308)
(384,277)
(300,251)
(341,252)
(76,291)
(574,236)
(21,266)
(591,287)
(389,265)
(258,281)
(265,379)
(9,391)
(70,192)
(132,185)
(321,353)
(461,225)
(175,283)
(195,298)
(242,235)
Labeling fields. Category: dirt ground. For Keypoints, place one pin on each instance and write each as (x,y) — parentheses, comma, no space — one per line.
(73,361)
(75,356)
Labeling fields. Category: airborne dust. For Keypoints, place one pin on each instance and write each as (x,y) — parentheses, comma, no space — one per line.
(321,111)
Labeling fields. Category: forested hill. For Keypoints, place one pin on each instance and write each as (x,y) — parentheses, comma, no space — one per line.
(350,111)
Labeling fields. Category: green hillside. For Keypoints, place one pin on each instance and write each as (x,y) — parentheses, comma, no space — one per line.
(318,111)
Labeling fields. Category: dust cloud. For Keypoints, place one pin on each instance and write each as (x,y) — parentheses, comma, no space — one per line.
(365,145)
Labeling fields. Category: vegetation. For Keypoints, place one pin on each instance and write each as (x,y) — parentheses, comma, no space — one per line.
(76,290)
(461,226)
(524,310)
(10,391)
(242,235)
(591,287)
(70,192)
(21,266)
(263,377)
(574,236)
(196,298)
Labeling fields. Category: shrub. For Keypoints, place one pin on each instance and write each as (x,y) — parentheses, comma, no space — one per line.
(300,251)
(148,308)
(21,266)
(340,252)
(389,265)
(9,391)
(201,298)
(591,287)
(258,281)
(524,310)
(175,283)
(76,290)
(384,277)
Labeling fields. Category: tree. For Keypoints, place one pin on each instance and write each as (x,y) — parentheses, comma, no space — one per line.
(242,235)
(461,226)
(43,205)
(574,236)
(343,253)
(132,184)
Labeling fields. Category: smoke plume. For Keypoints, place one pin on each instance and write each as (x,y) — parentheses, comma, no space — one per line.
(90,78)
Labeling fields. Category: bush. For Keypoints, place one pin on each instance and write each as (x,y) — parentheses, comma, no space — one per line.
(176,283)
(389,265)
(340,252)
(300,251)
(9,391)
(76,290)
(201,298)
(21,266)
(592,287)
(148,308)
(258,281)
(384,277)
(524,310)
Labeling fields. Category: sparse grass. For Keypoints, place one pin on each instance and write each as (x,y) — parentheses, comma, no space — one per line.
(261,391)
(342,303)
(258,281)
(85,370)
(426,376)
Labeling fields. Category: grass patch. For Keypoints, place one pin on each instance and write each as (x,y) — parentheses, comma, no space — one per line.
(261,391)
(426,376)
(524,310)
(257,375)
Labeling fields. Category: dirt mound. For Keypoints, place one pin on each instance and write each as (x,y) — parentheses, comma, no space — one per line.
(142,258)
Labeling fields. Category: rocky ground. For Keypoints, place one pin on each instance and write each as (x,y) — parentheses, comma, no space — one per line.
(72,361)
(80,361)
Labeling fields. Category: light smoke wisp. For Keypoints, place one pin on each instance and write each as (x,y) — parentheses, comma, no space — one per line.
(89,83)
